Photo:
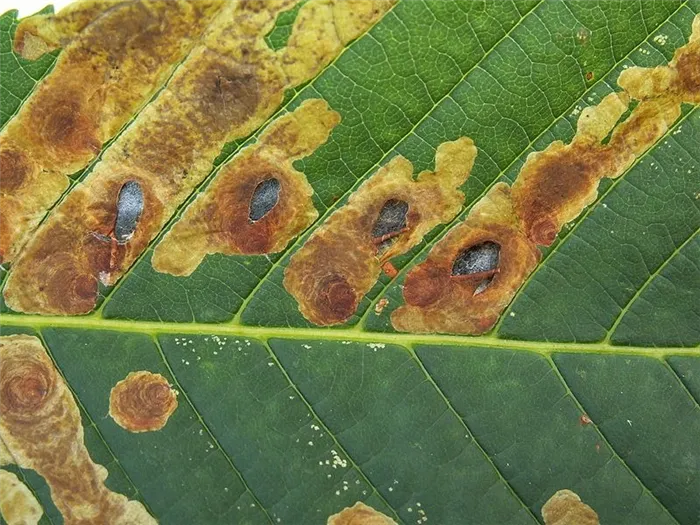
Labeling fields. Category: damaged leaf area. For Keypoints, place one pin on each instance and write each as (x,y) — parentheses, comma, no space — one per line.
(566,508)
(117,54)
(142,402)
(18,505)
(555,185)
(489,262)
(680,80)
(360,514)
(41,427)
(385,217)
(258,202)
(225,89)
(301,266)
(471,274)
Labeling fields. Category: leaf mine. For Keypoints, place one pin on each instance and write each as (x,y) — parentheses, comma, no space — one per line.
(342,259)
(552,189)
(117,55)
(360,514)
(679,80)
(243,211)
(556,184)
(471,274)
(142,402)
(18,506)
(40,425)
(566,508)
(228,86)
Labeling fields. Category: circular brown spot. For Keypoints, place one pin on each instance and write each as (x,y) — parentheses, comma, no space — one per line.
(543,231)
(68,290)
(424,285)
(67,127)
(15,170)
(336,298)
(142,402)
(26,386)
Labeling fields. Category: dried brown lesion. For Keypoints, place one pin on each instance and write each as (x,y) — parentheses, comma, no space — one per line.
(342,259)
(360,514)
(679,80)
(553,187)
(18,506)
(142,402)
(556,184)
(258,202)
(566,508)
(117,54)
(228,86)
(40,425)
(472,273)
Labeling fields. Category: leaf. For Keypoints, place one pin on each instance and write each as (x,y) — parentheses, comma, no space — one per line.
(589,382)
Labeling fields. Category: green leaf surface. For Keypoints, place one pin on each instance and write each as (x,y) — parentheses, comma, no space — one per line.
(590,381)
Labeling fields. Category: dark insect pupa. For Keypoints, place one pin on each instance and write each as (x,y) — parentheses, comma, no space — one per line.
(391,221)
(129,209)
(265,197)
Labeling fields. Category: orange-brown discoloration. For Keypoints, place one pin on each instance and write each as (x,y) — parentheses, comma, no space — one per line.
(123,53)
(142,402)
(680,80)
(218,221)
(556,184)
(228,86)
(438,301)
(342,260)
(40,425)
(73,255)
(566,508)
(360,514)
(18,505)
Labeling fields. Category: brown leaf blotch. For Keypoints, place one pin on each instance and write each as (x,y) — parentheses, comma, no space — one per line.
(437,300)
(566,508)
(219,220)
(41,427)
(116,56)
(142,402)
(229,85)
(342,259)
(360,514)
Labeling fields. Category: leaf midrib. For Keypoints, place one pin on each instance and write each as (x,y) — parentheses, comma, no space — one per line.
(264,333)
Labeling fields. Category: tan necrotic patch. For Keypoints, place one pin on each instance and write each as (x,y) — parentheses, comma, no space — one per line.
(556,184)
(387,216)
(471,274)
(142,402)
(117,55)
(226,88)
(360,514)
(258,202)
(18,505)
(566,508)
(40,425)
(679,80)
(553,188)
